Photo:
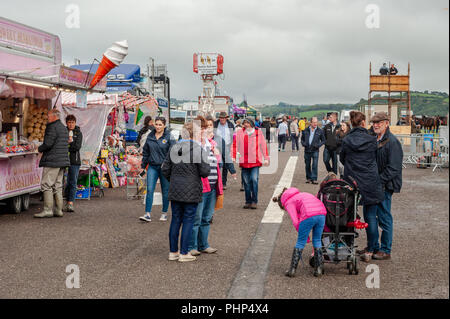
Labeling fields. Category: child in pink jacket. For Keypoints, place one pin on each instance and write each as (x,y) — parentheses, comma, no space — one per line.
(307,213)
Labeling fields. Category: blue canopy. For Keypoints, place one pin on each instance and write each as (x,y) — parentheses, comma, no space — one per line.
(123,72)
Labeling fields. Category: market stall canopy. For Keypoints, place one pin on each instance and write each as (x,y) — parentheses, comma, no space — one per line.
(92,122)
(15,89)
(70,99)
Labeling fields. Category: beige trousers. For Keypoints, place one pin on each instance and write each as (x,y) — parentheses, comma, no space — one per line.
(52,179)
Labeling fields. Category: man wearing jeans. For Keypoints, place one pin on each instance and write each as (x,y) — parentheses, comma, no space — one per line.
(329,152)
(312,140)
(389,162)
(283,129)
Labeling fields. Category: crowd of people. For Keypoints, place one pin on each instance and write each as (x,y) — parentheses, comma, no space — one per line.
(193,173)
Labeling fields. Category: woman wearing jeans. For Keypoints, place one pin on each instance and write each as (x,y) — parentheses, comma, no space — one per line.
(250,143)
(359,156)
(184,167)
(75,142)
(155,151)
(212,187)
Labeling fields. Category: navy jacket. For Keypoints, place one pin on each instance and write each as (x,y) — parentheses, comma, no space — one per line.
(75,146)
(55,148)
(317,142)
(155,150)
(359,154)
(389,161)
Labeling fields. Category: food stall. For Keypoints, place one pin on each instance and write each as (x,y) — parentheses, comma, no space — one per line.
(32,79)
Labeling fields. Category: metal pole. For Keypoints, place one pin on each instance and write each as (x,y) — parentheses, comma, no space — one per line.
(153,77)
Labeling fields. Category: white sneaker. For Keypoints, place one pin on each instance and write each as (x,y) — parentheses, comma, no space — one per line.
(195,252)
(163,217)
(145,218)
(174,256)
(186,258)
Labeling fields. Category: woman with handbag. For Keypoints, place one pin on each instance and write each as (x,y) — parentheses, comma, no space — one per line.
(212,188)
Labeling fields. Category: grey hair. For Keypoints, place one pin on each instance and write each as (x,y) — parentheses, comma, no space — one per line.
(56,113)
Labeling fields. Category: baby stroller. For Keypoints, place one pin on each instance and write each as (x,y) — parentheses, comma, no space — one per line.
(338,239)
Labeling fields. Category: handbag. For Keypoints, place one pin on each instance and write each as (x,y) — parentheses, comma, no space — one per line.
(219,202)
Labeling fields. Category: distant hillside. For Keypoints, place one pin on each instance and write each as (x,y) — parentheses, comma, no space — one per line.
(422,103)
(303,110)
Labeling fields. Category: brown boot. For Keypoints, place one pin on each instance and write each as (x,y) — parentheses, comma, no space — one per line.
(381,255)
(253,206)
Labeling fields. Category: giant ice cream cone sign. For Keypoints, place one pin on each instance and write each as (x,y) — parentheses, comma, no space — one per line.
(111,58)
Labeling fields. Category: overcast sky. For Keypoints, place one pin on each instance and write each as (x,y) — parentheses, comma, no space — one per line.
(295,51)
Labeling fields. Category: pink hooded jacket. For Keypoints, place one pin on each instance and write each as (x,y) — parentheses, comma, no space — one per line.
(301,206)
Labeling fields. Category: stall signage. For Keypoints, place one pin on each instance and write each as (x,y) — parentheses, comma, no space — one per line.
(76,77)
(18,36)
(19,173)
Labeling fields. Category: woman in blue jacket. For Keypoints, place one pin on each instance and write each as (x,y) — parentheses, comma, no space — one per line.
(155,151)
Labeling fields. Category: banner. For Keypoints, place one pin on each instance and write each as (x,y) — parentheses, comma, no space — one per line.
(92,122)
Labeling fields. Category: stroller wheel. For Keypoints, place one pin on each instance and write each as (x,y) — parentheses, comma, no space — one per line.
(348,262)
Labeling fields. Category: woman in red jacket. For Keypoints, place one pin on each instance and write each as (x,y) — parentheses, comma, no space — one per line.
(251,145)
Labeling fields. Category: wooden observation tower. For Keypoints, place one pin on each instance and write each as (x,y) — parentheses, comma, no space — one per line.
(397,84)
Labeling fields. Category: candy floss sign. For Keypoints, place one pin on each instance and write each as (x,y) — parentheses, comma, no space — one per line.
(19,173)
(19,36)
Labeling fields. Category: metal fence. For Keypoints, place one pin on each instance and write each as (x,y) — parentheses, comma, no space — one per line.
(424,150)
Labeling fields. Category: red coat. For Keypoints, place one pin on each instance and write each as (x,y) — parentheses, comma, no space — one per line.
(252,148)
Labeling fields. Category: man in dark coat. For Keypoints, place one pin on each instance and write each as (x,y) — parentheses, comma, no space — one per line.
(331,144)
(266,128)
(389,162)
(54,160)
(312,140)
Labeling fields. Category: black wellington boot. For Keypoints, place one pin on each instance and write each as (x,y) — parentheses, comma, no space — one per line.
(296,256)
(318,262)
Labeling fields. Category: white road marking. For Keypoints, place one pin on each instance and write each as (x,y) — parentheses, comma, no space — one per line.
(273,213)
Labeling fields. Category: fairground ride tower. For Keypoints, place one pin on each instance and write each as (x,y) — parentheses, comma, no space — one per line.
(397,84)
(208,65)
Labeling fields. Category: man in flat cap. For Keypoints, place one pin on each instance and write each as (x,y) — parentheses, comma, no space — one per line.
(389,162)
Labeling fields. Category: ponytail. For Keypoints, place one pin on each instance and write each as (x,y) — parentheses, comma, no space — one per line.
(277,199)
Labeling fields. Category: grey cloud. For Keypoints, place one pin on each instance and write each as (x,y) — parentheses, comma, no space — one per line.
(293,51)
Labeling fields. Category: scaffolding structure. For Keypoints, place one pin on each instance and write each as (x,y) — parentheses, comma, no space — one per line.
(397,84)
(208,94)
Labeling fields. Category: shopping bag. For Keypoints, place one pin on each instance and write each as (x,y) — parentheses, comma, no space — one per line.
(219,202)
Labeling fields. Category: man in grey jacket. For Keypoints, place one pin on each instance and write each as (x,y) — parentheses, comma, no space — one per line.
(55,158)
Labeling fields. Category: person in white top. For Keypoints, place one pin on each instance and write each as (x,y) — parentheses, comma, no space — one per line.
(282,134)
